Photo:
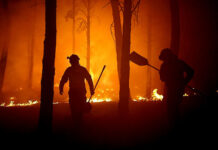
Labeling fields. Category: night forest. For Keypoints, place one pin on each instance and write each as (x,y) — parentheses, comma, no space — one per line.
(108,74)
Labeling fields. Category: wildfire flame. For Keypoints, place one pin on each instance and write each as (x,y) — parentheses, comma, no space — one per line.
(185,95)
(98,99)
(30,102)
(155,97)
(12,104)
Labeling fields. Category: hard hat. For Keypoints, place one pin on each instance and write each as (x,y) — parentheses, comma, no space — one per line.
(165,53)
(73,57)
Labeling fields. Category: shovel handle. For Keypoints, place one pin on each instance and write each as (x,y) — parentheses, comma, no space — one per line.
(153,67)
(97,82)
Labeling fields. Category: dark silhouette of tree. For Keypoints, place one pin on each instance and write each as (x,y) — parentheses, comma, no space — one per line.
(74,22)
(88,35)
(123,47)
(48,70)
(124,94)
(175,26)
(117,31)
(125,68)
(31,44)
(72,14)
(30,61)
(4,52)
(149,36)
(84,25)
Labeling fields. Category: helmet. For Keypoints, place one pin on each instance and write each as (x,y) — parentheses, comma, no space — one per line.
(165,54)
(73,57)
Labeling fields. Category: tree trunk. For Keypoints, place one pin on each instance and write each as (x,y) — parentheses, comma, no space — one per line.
(125,67)
(31,59)
(48,70)
(175,26)
(4,53)
(88,35)
(74,27)
(118,32)
(31,46)
(3,62)
(149,28)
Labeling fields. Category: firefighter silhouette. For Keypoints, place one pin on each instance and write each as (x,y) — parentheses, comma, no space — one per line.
(76,74)
(176,74)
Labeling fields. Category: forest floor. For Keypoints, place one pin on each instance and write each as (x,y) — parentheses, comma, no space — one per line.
(145,127)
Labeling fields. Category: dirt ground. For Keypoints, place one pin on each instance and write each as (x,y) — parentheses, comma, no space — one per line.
(146,126)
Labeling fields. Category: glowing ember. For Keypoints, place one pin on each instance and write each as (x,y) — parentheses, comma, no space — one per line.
(30,102)
(185,95)
(140,99)
(12,98)
(2,105)
(12,104)
(96,100)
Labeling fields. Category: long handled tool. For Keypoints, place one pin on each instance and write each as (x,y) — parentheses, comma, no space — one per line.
(142,61)
(97,82)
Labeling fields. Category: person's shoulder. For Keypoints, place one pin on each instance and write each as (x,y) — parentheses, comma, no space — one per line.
(68,69)
(82,68)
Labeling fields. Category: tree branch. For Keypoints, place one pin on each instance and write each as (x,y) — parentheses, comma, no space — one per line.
(137,5)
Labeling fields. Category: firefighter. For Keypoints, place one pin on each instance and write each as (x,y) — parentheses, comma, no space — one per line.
(176,74)
(76,74)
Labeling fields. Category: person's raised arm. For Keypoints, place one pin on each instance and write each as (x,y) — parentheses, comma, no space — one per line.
(63,81)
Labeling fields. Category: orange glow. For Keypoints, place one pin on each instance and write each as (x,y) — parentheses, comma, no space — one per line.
(26,27)
(12,98)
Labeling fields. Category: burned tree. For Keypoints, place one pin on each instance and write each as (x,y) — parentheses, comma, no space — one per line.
(74,20)
(4,51)
(125,68)
(117,31)
(72,14)
(31,45)
(124,94)
(123,48)
(48,71)
(149,40)
(84,25)
(88,35)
